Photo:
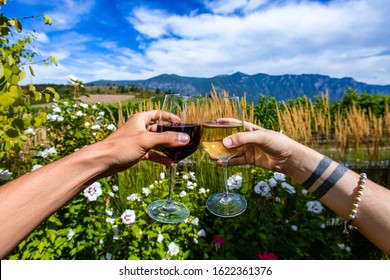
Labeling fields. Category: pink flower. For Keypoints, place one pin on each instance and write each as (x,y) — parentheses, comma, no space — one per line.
(267,256)
(218,241)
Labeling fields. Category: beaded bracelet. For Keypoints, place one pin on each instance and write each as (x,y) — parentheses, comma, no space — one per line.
(348,224)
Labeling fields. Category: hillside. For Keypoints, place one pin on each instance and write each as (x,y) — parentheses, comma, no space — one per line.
(282,87)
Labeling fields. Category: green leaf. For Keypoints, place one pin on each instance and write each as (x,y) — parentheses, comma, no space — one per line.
(53,60)
(51,233)
(47,19)
(18,123)
(31,70)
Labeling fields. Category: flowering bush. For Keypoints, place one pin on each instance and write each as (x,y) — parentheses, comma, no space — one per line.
(108,219)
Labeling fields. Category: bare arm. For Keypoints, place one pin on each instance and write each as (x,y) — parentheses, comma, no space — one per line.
(275,151)
(29,200)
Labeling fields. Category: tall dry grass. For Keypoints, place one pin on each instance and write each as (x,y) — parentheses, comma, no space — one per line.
(355,132)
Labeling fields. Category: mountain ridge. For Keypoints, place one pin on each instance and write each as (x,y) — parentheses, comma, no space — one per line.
(282,87)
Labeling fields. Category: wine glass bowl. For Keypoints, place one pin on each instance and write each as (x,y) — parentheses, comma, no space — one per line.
(222,117)
(186,110)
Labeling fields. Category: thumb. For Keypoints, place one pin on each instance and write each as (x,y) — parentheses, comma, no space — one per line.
(242,138)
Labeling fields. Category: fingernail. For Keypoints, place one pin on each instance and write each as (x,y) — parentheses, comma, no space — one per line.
(227,142)
(183,138)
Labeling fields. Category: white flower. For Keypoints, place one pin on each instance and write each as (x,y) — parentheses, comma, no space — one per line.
(115,188)
(93,191)
(202,190)
(70,234)
(5,174)
(304,191)
(185,177)
(323,226)
(173,249)
(262,188)
(94,107)
(162,175)
(87,124)
(195,240)
(294,227)
(341,246)
(60,118)
(235,182)
(279,176)
(160,238)
(108,256)
(182,194)
(192,175)
(79,114)
(101,114)
(133,197)
(84,105)
(51,117)
(57,109)
(29,131)
(191,185)
(128,217)
(290,189)
(201,233)
(195,222)
(146,191)
(111,127)
(95,127)
(314,206)
(272,182)
(108,212)
(111,194)
(36,167)
(110,220)
(46,152)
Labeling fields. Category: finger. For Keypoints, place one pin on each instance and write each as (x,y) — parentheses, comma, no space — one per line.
(158,158)
(167,138)
(237,161)
(152,116)
(251,126)
(228,120)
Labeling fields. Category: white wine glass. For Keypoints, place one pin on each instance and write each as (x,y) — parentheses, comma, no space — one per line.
(186,108)
(222,117)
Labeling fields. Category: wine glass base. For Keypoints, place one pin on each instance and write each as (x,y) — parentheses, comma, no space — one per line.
(173,212)
(228,206)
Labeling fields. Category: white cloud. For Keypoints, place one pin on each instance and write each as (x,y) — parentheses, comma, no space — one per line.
(340,38)
(66,14)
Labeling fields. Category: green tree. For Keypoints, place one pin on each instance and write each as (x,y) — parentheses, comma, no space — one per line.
(15,113)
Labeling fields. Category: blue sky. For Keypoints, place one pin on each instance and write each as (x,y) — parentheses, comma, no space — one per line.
(134,39)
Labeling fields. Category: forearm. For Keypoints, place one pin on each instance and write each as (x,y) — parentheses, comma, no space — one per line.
(374,208)
(27,201)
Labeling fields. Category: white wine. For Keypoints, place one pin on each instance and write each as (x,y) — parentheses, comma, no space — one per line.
(212,135)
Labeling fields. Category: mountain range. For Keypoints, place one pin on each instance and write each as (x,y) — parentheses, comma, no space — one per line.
(282,87)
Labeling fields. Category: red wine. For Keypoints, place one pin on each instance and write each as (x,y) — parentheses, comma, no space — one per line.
(179,153)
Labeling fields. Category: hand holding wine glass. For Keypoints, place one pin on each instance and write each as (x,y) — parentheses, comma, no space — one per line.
(187,121)
(222,117)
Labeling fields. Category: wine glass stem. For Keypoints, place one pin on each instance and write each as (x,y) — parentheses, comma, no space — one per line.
(172,174)
(225,178)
